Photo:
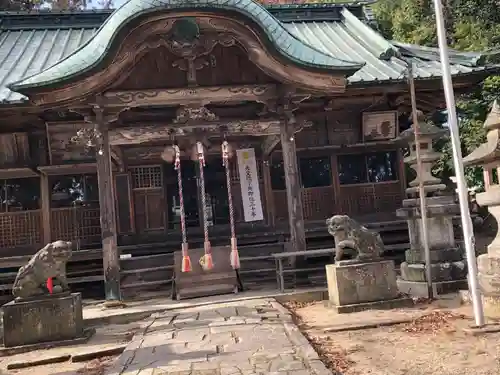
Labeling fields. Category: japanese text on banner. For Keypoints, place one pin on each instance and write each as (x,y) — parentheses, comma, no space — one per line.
(249,181)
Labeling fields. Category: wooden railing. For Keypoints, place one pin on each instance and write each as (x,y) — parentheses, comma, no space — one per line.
(80,224)
(319,203)
(363,199)
(18,229)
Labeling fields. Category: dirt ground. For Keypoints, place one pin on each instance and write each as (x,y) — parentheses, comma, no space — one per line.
(433,342)
(107,337)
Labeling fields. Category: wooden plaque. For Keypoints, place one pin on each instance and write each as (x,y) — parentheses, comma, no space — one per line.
(379,126)
(222,279)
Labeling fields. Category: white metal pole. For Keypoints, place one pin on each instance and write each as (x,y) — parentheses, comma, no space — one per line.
(421,190)
(459,167)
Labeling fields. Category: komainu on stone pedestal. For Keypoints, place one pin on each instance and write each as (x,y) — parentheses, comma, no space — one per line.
(49,262)
(367,281)
(37,317)
(349,234)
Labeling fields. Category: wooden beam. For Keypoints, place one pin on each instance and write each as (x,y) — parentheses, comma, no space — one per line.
(293,191)
(111,254)
(65,169)
(7,173)
(148,133)
(185,95)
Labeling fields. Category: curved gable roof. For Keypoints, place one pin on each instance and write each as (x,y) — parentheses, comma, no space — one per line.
(95,50)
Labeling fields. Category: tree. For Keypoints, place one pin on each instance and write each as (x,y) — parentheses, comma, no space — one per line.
(19,5)
(471,25)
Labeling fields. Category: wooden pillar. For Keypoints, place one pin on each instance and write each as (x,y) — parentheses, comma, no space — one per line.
(293,191)
(268,190)
(401,172)
(110,252)
(45,198)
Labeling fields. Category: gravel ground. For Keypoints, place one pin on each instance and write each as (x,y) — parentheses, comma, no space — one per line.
(434,342)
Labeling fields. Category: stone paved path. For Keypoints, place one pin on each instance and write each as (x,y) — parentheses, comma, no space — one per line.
(248,337)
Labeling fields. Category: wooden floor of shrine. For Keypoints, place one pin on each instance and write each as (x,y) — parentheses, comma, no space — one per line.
(149,266)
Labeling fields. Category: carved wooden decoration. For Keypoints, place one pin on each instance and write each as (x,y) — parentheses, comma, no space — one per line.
(269,143)
(194,113)
(185,96)
(62,146)
(379,125)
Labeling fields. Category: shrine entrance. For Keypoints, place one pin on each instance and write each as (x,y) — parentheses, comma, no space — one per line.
(215,187)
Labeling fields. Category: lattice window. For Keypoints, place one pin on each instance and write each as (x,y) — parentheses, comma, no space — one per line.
(20,229)
(20,220)
(146,177)
(388,196)
(77,224)
(318,203)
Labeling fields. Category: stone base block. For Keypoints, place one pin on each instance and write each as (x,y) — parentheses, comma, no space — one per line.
(419,288)
(361,283)
(45,319)
(396,303)
(437,256)
(449,271)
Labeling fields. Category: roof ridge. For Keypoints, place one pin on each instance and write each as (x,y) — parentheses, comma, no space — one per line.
(376,43)
(47,18)
(471,59)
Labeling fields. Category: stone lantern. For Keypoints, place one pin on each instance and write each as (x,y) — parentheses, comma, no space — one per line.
(487,155)
(449,271)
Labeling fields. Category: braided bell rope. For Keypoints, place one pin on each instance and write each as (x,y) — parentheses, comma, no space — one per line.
(201,159)
(177,167)
(225,162)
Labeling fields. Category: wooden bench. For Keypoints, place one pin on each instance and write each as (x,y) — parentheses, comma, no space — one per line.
(281,271)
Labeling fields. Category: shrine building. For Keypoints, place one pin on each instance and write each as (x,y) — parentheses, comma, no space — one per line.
(106,115)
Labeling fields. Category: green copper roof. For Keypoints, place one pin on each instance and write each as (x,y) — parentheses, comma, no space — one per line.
(31,43)
(91,53)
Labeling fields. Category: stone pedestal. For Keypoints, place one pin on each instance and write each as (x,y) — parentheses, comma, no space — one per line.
(362,286)
(41,320)
(449,270)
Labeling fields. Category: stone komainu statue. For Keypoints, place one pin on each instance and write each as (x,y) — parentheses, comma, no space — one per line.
(49,262)
(349,234)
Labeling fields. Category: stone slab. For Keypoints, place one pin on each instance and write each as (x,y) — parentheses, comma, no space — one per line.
(48,319)
(396,303)
(477,331)
(419,289)
(446,271)
(87,334)
(361,283)
(38,362)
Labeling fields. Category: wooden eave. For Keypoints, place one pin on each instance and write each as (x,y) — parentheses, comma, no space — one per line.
(10,173)
(65,169)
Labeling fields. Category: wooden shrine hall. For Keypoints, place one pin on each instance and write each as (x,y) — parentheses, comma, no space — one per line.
(134,131)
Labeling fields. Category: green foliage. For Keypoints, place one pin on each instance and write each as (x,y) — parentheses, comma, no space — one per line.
(19,5)
(471,25)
